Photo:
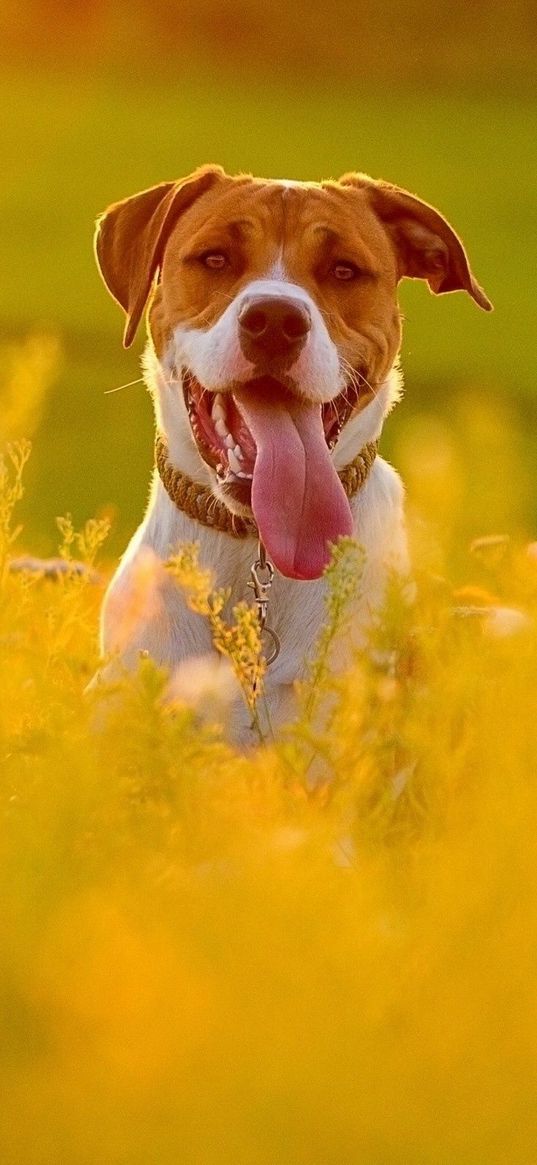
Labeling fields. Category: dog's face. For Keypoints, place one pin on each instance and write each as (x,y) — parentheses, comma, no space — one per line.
(276,312)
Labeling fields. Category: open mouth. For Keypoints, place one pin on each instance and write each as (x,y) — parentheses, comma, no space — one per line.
(271,452)
(224,439)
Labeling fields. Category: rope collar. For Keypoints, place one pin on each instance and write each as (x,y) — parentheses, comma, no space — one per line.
(199,502)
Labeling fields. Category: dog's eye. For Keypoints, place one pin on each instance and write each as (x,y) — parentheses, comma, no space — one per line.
(214,260)
(344,271)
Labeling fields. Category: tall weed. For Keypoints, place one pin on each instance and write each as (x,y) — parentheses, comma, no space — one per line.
(209,957)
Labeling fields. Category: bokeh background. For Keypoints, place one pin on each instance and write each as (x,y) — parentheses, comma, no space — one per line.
(101,98)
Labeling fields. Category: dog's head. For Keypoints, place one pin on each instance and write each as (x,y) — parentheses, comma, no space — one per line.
(274,308)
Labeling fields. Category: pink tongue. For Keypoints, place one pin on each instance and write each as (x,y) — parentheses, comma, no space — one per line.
(298,501)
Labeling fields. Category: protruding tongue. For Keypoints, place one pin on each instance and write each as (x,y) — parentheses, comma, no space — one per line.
(298,501)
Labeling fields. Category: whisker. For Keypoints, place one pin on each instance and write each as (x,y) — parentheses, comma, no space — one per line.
(120,387)
(349,372)
(355,377)
(364,380)
(205,392)
(343,395)
(175,377)
(327,315)
(211,507)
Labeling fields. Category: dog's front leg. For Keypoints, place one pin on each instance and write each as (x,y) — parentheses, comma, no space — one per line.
(145,612)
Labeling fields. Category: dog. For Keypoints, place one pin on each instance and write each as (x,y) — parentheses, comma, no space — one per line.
(272,358)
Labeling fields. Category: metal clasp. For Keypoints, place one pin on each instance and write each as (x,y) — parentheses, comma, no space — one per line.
(261,587)
(262,574)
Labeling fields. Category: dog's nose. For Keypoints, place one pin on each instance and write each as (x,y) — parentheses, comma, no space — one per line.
(273,326)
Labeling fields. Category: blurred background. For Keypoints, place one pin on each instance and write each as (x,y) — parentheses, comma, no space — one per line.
(102,98)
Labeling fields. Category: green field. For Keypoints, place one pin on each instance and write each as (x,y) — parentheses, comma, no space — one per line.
(72,143)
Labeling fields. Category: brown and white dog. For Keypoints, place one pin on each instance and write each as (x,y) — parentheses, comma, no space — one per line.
(274,332)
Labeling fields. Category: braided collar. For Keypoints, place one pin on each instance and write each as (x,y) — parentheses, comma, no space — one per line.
(199,502)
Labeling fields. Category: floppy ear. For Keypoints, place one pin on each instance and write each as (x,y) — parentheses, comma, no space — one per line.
(426,245)
(131,237)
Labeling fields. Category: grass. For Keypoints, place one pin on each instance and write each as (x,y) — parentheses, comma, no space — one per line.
(91,139)
(207,957)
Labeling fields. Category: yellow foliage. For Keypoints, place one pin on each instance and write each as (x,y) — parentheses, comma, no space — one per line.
(239,641)
(29,368)
(210,957)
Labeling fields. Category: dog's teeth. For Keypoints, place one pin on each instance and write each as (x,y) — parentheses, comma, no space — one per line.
(229,442)
(234,462)
(218,407)
(238,453)
(221,427)
(241,473)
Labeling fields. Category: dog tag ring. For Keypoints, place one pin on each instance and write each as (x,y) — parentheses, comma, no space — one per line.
(273,651)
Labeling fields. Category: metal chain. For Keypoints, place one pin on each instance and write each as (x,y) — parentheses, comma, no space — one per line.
(262,572)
